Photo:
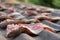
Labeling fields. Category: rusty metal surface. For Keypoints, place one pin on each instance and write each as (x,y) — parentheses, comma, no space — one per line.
(44,35)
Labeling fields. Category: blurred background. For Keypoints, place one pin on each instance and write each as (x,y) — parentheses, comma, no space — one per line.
(48,3)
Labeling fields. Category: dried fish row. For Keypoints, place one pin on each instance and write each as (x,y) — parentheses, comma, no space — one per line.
(22,18)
